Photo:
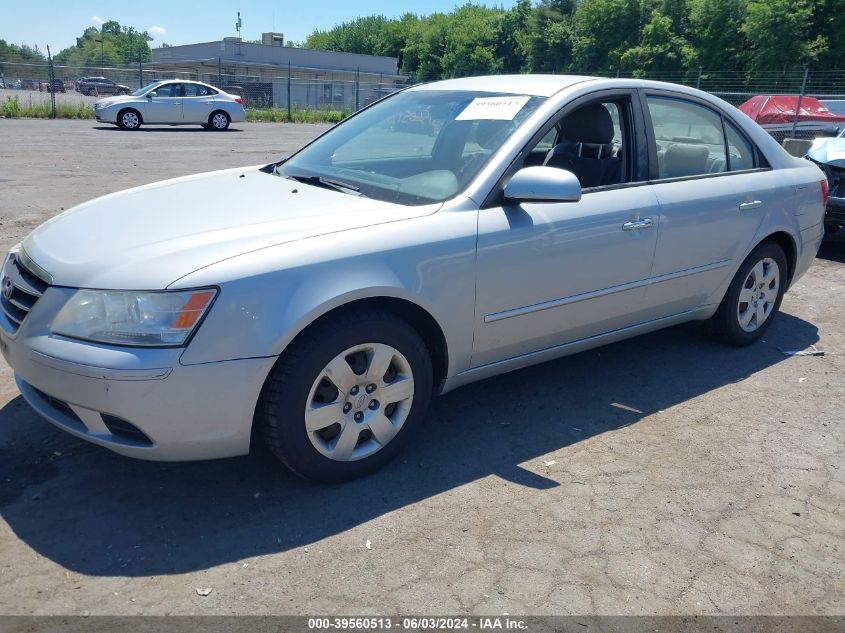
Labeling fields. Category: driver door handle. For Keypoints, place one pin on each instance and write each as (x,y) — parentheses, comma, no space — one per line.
(634,225)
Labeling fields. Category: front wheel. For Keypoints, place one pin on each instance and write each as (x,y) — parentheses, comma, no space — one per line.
(219,121)
(129,120)
(343,402)
(753,298)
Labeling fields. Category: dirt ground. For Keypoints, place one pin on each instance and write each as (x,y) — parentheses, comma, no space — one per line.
(661,475)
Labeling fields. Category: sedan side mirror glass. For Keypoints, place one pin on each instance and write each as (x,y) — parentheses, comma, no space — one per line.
(152,94)
(543,184)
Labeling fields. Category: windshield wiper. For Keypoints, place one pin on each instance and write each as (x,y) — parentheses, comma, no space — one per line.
(326,183)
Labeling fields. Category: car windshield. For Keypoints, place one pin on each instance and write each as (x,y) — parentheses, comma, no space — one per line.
(415,147)
(141,91)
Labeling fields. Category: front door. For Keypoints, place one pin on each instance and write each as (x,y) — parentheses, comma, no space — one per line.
(554,273)
(165,106)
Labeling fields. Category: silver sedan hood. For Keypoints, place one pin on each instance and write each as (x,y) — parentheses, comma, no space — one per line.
(117,99)
(147,237)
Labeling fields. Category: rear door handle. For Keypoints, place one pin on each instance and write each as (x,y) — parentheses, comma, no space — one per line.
(749,206)
(634,225)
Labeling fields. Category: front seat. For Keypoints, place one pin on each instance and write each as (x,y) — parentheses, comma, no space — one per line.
(586,147)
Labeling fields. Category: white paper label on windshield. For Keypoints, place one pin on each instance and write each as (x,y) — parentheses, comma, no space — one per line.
(492,108)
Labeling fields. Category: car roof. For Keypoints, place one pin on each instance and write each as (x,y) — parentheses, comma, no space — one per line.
(535,85)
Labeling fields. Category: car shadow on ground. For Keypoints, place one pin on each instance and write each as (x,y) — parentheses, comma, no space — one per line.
(98,513)
(164,128)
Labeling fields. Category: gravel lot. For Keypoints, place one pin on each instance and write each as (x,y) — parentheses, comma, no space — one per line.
(662,475)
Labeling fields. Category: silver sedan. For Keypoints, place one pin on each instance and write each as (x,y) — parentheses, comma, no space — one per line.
(172,103)
(450,232)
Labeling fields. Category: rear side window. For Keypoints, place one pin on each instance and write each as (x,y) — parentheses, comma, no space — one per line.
(689,138)
(740,149)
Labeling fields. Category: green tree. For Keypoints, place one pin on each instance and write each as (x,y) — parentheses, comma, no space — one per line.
(715,33)
(120,45)
(550,37)
(779,34)
(602,30)
(660,48)
(20,53)
(511,37)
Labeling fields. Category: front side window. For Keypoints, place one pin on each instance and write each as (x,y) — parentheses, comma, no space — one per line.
(169,90)
(592,141)
(416,147)
(688,138)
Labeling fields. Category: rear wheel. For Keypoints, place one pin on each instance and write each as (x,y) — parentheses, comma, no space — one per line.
(753,298)
(219,121)
(343,402)
(129,119)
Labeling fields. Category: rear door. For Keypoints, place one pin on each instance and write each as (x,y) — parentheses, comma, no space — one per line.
(713,192)
(196,103)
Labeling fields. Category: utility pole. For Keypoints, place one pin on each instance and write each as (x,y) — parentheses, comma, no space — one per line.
(102,52)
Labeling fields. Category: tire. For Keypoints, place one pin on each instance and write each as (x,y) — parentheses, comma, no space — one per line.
(739,322)
(129,119)
(346,346)
(219,121)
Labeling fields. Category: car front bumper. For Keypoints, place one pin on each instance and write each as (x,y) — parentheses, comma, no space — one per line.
(138,402)
(106,115)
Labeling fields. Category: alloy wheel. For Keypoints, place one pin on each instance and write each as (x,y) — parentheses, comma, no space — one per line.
(758,295)
(130,120)
(219,121)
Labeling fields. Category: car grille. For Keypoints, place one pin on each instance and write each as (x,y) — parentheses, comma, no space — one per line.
(19,291)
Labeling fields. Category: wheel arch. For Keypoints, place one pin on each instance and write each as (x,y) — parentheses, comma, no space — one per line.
(790,249)
(409,311)
(133,109)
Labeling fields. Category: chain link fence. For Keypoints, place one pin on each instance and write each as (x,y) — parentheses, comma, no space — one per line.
(293,90)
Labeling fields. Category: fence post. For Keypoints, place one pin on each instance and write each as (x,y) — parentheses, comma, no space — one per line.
(219,73)
(52,88)
(357,88)
(800,98)
(698,81)
(140,74)
(290,110)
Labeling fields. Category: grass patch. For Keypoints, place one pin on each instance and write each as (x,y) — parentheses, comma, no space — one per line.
(280,115)
(13,108)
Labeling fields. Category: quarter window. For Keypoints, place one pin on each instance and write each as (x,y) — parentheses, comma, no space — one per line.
(689,138)
(740,149)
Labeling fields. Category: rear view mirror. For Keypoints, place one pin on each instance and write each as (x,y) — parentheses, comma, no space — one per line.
(543,184)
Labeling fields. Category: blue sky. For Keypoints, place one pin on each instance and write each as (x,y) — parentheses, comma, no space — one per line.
(58,23)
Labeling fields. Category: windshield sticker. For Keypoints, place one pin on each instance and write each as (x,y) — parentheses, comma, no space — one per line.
(493,108)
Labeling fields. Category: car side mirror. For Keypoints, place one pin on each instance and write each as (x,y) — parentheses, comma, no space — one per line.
(543,184)
(152,94)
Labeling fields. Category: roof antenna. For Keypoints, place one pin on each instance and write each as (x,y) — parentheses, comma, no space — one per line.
(238,24)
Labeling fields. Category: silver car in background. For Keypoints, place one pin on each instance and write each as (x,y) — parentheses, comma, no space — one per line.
(173,102)
(453,231)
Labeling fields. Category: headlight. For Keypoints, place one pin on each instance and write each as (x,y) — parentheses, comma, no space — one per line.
(103,104)
(145,319)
